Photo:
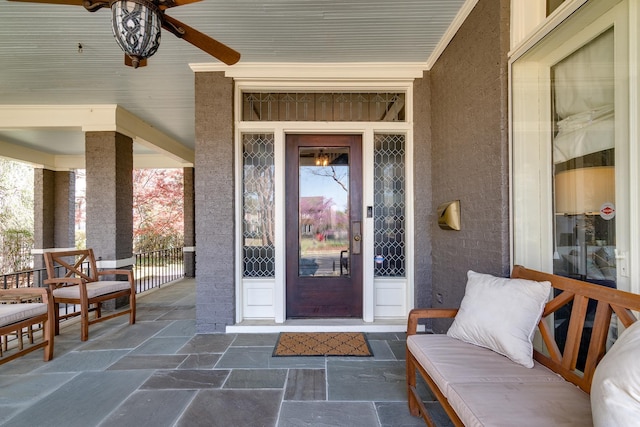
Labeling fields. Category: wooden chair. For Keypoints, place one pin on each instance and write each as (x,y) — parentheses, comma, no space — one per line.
(16,315)
(79,283)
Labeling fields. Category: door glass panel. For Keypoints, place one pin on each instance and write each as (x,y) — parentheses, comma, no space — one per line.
(324,212)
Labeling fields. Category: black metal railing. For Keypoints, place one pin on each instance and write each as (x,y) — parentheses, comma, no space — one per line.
(155,268)
(151,270)
(33,278)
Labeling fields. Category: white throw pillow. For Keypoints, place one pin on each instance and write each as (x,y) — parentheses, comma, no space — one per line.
(615,389)
(501,314)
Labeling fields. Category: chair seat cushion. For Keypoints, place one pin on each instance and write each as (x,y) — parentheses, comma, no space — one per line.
(12,313)
(94,289)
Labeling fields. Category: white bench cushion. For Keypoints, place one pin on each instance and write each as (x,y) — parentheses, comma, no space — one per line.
(12,313)
(520,404)
(448,360)
(94,289)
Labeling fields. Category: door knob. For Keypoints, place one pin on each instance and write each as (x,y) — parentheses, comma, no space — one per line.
(356,229)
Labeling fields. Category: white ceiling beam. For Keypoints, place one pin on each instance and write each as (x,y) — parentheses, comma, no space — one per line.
(157,161)
(150,137)
(40,159)
(96,118)
(343,72)
(27,155)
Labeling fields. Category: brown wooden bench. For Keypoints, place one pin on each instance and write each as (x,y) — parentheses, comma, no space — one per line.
(79,282)
(557,386)
(16,315)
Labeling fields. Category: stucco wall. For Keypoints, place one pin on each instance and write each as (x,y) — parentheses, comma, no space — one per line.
(44,208)
(109,164)
(65,208)
(189,221)
(424,215)
(214,190)
(469,139)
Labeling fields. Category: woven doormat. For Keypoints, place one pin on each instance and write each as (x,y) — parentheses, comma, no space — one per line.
(322,344)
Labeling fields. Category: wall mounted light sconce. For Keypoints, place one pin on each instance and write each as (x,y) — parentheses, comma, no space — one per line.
(449,215)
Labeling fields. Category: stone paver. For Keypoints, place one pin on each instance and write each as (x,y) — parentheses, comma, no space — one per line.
(159,372)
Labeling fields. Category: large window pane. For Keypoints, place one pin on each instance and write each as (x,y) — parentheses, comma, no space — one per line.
(584,163)
(584,173)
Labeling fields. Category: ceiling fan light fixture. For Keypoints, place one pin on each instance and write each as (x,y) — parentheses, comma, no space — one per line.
(136,25)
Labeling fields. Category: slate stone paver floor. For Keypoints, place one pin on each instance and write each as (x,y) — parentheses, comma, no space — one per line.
(158,372)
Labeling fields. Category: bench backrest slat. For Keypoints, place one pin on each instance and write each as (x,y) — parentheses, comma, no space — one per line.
(582,296)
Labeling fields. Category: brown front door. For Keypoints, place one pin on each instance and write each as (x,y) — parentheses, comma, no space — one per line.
(324,225)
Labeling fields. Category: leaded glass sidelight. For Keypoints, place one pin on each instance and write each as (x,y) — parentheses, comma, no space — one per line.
(258,205)
(389,205)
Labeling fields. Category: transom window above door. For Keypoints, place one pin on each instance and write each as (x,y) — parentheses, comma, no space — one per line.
(331,107)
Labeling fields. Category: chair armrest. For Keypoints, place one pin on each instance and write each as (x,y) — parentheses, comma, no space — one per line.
(128,273)
(427,313)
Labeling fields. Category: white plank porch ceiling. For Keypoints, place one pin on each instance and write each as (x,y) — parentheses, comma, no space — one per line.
(40,62)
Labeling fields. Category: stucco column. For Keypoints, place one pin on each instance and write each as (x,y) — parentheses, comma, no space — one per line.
(109,165)
(215,277)
(53,212)
(189,223)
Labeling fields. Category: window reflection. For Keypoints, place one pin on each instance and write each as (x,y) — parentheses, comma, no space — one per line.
(324,212)
(584,163)
(584,174)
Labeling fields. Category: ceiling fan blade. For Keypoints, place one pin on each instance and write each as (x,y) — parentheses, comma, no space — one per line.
(200,40)
(69,2)
(165,4)
(90,5)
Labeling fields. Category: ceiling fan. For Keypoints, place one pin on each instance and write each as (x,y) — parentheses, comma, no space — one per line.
(137,26)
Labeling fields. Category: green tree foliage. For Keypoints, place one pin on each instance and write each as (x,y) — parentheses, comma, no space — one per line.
(16,215)
(16,195)
(158,214)
(16,250)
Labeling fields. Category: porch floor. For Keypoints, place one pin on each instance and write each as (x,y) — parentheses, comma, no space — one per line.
(158,372)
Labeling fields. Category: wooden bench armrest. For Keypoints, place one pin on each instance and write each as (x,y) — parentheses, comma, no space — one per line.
(427,313)
(36,292)
(57,281)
